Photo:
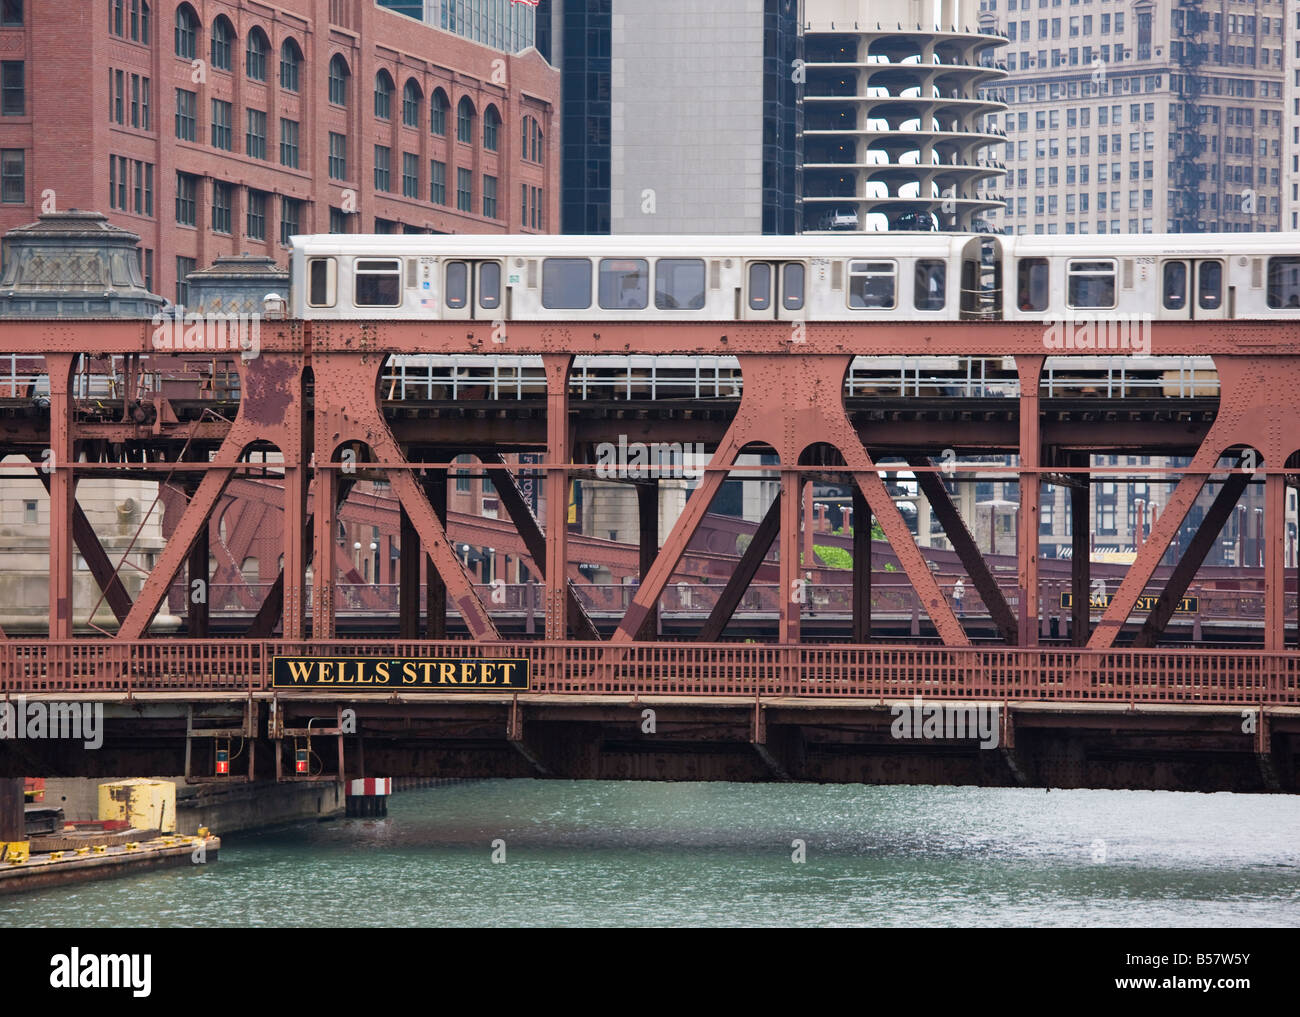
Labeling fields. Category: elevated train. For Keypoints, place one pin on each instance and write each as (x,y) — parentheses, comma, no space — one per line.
(883,277)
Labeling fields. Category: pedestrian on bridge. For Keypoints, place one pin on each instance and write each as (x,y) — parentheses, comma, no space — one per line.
(958,592)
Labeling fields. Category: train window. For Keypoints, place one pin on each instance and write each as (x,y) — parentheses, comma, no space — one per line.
(489,284)
(931,280)
(1284,282)
(566,283)
(1209,291)
(760,286)
(457,295)
(679,284)
(378,283)
(624,283)
(872,283)
(1031,287)
(321,282)
(792,286)
(1175,285)
(1091,283)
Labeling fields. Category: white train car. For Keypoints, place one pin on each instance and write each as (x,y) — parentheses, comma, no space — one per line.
(915,276)
(1160,277)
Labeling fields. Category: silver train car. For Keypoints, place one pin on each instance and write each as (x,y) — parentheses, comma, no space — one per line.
(880,277)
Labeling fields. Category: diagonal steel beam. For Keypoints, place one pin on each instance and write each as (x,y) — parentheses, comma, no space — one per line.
(272,609)
(96,558)
(683,530)
(746,569)
(521,514)
(1157,543)
(954,527)
(1185,571)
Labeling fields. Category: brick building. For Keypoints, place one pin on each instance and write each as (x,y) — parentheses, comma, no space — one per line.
(217,127)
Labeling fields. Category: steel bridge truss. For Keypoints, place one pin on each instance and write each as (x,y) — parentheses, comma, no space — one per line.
(314,395)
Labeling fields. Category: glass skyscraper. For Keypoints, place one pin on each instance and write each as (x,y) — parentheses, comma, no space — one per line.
(501,24)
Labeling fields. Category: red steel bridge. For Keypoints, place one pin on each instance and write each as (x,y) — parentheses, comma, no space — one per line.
(1109,697)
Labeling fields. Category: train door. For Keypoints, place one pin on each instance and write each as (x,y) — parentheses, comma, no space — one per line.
(775,289)
(472,289)
(1193,289)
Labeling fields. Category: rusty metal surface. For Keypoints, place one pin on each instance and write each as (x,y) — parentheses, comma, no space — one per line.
(313,396)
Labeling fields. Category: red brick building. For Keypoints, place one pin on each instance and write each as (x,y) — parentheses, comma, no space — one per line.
(214,127)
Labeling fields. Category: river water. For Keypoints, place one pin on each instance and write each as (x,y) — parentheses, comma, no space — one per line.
(617,853)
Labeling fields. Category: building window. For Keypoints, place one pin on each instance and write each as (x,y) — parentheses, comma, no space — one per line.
(13,88)
(221,202)
(465,120)
(491,128)
(383,96)
(143,190)
(290,65)
(13,176)
(411,104)
(221,134)
(464,190)
(290,217)
(338,80)
(410,175)
(289,143)
(489,196)
(187,32)
(139,21)
(143,102)
(184,266)
(338,221)
(222,36)
(382,179)
(117,182)
(438,106)
(438,182)
(187,122)
(255,219)
(255,139)
(11,14)
(117,97)
(29,512)
(255,55)
(338,157)
(187,189)
(146,266)
(531,140)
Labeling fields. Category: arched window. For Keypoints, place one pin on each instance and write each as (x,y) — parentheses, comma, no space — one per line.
(290,65)
(491,128)
(384,95)
(223,37)
(438,107)
(187,32)
(339,75)
(411,103)
(255,55)
(465,120)
(140,21)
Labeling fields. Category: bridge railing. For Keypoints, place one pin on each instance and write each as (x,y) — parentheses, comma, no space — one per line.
(1223,676)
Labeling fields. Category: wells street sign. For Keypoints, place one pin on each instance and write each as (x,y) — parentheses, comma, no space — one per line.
(1146,602)
(411,674)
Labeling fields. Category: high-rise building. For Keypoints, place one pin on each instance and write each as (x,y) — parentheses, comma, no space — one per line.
(507,25)
(678,118)
(1291,118)
(215,128)
(894,116)
(1161,116)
